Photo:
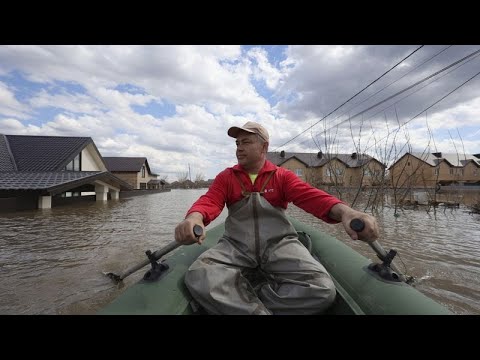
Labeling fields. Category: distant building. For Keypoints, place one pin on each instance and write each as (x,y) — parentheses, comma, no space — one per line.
(45,171)
(318,169)
(432,169)
(135,171)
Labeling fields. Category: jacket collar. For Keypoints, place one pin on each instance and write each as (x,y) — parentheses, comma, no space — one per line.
(267,167)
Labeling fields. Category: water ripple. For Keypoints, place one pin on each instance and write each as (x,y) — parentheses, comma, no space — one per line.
(52,261)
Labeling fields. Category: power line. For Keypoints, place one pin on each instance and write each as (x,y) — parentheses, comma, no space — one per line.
(353,96)
(401,77)
(404,90)
(435,103)
(417,83)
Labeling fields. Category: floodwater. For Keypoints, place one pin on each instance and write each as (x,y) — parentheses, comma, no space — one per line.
(53,261)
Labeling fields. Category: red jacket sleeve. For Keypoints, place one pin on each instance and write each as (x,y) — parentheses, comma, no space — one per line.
(314,201)
(211,204)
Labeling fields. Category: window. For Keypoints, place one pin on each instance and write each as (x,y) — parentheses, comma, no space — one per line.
(436,171)
(299,172)
(408,163)
(451,171)
(143,171)
(143,186)
(75,164)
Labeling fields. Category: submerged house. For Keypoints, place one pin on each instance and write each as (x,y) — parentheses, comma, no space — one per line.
(45,171)
(135,171)
(428,170)
(318,169)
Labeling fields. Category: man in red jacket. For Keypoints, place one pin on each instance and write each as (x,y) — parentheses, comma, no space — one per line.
(259,239)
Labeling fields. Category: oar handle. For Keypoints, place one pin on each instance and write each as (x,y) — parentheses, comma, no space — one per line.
(197,230)
(358,225)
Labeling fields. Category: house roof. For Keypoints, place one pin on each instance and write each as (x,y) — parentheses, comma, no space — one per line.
(313,160)
(41,153)
(126,163)
(156,181)
(453,159)
(459,159)
(55,181)
(6,159)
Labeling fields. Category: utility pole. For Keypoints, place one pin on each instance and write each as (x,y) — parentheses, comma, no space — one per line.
(189,173)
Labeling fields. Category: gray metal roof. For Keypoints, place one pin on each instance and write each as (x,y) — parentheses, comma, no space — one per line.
(313,160)
(453,159)
(131,164)
(6,160)
(156,181)
(427,157)
(54,180)
(19,180)
(44,153)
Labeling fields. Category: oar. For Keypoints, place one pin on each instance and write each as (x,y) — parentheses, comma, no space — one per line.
(197,230)
(358,225)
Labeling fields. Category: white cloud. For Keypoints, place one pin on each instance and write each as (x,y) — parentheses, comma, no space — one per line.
(79,103)
(9,105)
(463,114)
(93,90)
(179,74)
(8,126)
(264,70)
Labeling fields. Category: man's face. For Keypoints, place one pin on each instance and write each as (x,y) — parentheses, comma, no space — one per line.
(249,149)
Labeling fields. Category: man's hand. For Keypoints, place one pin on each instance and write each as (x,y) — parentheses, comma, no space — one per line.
(345,214)
(184,231)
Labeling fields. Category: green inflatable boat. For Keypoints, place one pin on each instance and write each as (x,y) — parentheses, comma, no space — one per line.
(363,287)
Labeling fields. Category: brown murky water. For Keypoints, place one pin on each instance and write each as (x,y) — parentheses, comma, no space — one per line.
(52,261)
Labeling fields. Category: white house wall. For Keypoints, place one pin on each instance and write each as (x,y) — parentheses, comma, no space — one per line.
(91,160)
(147,177)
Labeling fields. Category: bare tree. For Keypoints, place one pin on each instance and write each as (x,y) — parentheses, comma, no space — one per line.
(199,177)
(182,176)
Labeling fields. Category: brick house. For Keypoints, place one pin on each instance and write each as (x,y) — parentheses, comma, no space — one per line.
(135,171)
(351,170)
(432,169)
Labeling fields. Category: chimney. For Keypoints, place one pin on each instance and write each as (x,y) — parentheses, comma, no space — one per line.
(282,154)
(319,154)
(437,154)
(354,155)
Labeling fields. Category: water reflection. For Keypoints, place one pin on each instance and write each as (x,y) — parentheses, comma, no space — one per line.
(52,261)
(441,251)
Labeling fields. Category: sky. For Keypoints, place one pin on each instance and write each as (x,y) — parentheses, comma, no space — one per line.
(174,104)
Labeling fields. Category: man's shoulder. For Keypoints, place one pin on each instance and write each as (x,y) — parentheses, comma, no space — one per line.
(282,171)
(227,172)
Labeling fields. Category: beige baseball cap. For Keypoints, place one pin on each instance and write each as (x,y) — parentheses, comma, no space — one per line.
(251,127)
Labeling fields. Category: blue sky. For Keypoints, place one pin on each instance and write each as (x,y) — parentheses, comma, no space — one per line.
(174,104)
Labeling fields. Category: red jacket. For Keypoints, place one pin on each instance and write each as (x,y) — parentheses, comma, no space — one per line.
(283,187)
